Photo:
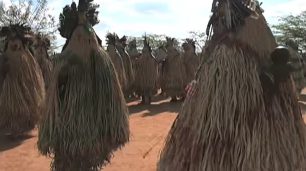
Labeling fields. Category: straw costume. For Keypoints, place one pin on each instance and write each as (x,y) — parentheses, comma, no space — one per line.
(134,54)
(297,62)
(86,118)
(40,47)
(191,59)
(173,72)
(129,72)
(161,56)
(244,114)
(116,59)
(21,83)
(146,74)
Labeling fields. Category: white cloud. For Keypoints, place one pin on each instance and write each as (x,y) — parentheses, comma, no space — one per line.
(6,2)
(182,16)
(287,7)
(179,17)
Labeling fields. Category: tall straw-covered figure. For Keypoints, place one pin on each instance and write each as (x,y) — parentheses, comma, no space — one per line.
(297,63)
(127,62)
(22,88)
(173,72)
(190,58)
(146,74)
(40,47)
(86,117)
(243,114)
(116,59)
(134,54)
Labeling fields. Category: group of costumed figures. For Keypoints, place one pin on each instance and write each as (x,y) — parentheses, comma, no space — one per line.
(76,100)
(143,74)
(240,113)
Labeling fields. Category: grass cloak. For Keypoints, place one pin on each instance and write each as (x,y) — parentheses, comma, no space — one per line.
(118,64)
(40,52)
(173,75)
(22,89)
(229,124)
(86,117)
(128,68)
(146,75)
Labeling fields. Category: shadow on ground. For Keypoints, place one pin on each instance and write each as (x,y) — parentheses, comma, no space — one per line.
(159,105)
(9,142)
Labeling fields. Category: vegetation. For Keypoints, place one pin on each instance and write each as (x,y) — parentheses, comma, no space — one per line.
(32,13)
(292,27)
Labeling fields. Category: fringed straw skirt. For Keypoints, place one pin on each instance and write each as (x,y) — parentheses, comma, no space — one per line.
(22,94)
(86,117)
(229,125)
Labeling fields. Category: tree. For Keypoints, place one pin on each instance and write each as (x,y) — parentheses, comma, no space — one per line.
(155,40)
(292,27)
(32,13)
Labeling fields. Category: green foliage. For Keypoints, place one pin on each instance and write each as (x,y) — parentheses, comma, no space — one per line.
(155,40)
(32,13)
(200,39)
(292,27)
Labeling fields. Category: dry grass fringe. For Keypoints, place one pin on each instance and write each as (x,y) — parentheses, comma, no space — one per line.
(118,64)
(86,117)
(146,75)
(173,75)
(298,75)
(45,64)
(22,93)
(130,75)
(257,34)
(228,125)
(191,62)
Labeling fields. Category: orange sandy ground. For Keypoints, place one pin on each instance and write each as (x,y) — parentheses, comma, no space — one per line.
(149,126)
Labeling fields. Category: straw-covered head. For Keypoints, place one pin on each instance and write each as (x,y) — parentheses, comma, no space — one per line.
(146,45)
(132,44)
(170,42)
(189,44)
(41,40)
(111,38)
(73,15)
(229,15)
(291,43)
(123,41)
(16,36)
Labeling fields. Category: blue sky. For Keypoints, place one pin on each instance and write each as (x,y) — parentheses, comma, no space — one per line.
(171,17)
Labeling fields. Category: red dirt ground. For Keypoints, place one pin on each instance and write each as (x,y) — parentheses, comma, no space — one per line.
(149,126)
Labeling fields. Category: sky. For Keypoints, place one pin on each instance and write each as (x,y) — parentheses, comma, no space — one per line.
(173,18)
